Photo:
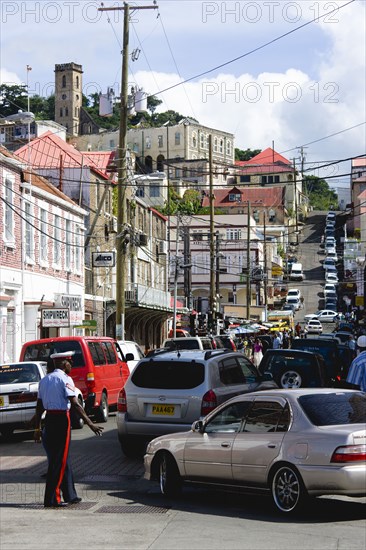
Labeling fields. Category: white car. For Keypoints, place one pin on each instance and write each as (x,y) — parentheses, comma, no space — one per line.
(325,315)
(128,348)
(331,278)
(293,293)
(329,288)
(292,300)
(314,326)
(19,394)
(329,263)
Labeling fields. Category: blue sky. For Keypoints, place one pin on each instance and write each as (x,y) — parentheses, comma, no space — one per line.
(301,88)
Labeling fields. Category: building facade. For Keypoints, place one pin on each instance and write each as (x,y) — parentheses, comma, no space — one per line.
(42,259)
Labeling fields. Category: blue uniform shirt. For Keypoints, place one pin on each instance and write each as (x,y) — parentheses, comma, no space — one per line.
(55,390)
(357,371)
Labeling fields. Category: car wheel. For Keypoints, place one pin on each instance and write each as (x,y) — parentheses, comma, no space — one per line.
(103,410)
(169,478)
(287,488)
(132,448)
(291,379)
(77,423)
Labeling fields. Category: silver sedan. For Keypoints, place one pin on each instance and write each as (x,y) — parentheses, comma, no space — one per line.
(292,444)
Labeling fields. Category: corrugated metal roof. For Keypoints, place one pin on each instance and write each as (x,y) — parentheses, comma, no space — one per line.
(263,196)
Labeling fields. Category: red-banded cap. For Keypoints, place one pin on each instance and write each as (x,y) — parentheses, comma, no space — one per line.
(63,355)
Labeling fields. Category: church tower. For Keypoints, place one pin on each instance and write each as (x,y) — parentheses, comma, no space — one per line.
(68,96)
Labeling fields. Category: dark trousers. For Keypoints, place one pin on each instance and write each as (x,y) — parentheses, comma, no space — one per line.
(59,475)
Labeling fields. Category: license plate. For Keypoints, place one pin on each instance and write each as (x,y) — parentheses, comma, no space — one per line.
(2,401)
(167,410)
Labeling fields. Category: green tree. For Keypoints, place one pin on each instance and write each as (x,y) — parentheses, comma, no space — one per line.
(321,197)
(246,154)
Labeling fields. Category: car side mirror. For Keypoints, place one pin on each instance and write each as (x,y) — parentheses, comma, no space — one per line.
(197,426)
(130,357)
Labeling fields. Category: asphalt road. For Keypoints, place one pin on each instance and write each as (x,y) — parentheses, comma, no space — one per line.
(311,255)
(120,510)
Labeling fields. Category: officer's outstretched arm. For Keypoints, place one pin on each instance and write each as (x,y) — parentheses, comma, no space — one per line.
(80,411)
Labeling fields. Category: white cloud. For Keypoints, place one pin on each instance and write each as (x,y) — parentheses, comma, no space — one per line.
(8,77)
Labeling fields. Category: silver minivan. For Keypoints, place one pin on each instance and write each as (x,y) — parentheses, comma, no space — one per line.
(168,390)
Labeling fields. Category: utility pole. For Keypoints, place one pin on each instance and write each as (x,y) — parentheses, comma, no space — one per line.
(123,236)
(295,203)
(265,274)
(248,265)
(212,236)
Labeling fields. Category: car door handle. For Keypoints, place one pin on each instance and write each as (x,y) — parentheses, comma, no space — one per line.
(225,445)
(272,446)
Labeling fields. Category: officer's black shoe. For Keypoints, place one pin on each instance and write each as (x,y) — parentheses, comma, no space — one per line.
(58,505)
(75,500)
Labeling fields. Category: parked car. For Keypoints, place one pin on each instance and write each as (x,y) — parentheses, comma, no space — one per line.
(289,307)
(96,368)
(330,269)
(226,341)
(19,394)
(130,352)
(328,348)
(314,326)
(328,262)
(331,277)
(332,254)
(293,293)
(168,390)
(291,368)
(323,315)
(331,303)
(329,288)
(190,342)
(292,301)
(291,444)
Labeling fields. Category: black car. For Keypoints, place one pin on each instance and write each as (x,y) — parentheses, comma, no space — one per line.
(292,368)
(328,348)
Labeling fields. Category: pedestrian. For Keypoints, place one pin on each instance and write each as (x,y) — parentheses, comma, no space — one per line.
(276,342)
(352,345)
(257,352)
(56,395)
(298,329)
(357,371)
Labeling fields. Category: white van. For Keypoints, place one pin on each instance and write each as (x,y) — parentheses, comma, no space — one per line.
(296,272)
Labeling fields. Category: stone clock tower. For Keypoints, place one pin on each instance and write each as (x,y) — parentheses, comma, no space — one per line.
(68,96)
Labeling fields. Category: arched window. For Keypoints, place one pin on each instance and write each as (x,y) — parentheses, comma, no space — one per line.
(221,146)
(66,111)
(160,163)
(61,112)
(77,81)
(215,145)
(148,164)
(64,81)
(194,140)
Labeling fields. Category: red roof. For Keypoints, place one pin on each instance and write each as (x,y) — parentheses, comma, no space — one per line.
(268,157)
(50,151)
(262,196)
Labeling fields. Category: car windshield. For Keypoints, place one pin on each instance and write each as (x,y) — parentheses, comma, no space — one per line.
(17,374)
(166,375)
(335,408)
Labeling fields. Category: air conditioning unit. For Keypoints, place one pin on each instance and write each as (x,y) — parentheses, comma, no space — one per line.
(130,295)
(142,239)
(163,247)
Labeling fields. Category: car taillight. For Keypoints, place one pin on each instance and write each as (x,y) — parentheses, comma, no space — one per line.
(90,382)
(26,397)
(349,453)
(122,401)
(209,402)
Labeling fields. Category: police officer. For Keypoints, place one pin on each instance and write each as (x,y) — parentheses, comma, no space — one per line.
(56,395)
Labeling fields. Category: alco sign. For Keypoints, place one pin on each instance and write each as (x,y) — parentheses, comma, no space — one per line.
(103,259)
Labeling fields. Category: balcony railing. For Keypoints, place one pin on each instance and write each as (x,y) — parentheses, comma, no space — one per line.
(149,297)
